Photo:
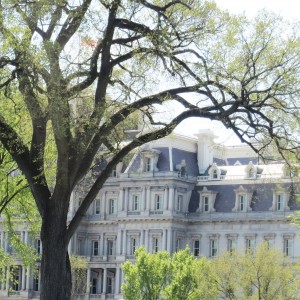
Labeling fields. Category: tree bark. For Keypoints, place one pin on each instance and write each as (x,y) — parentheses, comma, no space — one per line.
(55,265)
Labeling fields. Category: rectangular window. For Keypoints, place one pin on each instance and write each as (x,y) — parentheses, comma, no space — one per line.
(250,245)
(269,242)
(178,244)
(80,247)
(148,165)
(37,246)
(205,200)
(287,247)
(112,206)
(109,285)
(155,246)
(36,280)
(196,247)
(213,247)
(114,173)
(232,245)
(110,247)
(158,202)
(133,245)
(179,203)
(242,201)
(279,202)
(97,206)
(94,286)
(95,248)
(135,203)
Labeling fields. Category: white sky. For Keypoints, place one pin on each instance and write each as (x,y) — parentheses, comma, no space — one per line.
(289,9)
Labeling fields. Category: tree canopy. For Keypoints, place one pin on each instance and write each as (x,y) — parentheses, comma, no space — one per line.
(263,275)
(73,72)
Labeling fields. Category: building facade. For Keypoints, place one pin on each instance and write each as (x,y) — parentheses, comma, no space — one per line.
(174,192)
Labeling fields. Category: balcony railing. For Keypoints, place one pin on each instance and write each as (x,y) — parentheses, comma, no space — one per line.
(239,177)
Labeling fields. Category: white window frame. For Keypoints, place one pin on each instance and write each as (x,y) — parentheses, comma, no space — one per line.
(243,202)
(133,244)
(288,244)
(136,203)
(112,206)
(250,245)
(280,203)
(148,164)
(213,247)
(178,244)
(205,205)
(110,247)
(210,195)
(38,245)
(155,244)
(231,244)
(158,202)
(97,207)
(282,195)
(246,195)
(95,247)
(196,248)
(179,203)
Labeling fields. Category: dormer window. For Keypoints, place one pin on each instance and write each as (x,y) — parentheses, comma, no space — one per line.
(280,200)
(251,171)
(207,200)
(243,199)
(214,172)
(149,159)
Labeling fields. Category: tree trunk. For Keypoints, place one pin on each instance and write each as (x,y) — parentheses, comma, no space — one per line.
(56,282)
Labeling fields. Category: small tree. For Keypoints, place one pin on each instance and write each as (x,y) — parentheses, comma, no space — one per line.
(263,275)
(147,277)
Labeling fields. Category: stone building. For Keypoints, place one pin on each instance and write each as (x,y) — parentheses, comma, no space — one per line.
(174,192)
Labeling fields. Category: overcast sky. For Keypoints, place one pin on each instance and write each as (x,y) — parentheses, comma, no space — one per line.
(289,9)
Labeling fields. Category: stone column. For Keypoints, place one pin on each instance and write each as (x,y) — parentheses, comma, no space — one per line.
(103,204)
(119,242)
(166,194)
(23,287)
(104,280)
(126,199)
(148,198)
(88,281)
(171,198)
(143,200)
(117,289)
(169,240)
(164,238)
(121,200)
(124,242)
(102,245)
(142,239)
(147,240)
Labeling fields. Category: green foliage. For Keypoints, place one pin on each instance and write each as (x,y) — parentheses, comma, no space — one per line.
(182,283)
(265,275)
(79,274)
(159,276)
(147,277)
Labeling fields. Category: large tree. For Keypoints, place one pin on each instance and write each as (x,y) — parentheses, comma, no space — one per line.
(79,69)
